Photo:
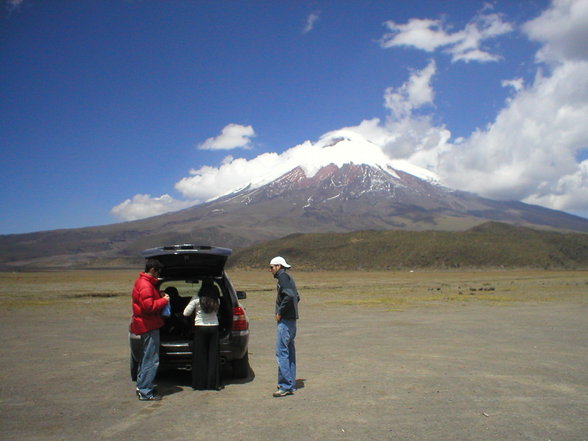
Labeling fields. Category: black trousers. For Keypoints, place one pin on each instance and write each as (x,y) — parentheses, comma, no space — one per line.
(205,358)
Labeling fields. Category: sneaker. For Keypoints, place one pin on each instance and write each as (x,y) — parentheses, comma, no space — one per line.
(154,391)
(282,393)
(148,397)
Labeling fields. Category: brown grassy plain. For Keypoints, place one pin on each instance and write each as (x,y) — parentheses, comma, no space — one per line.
(391,290)
(422,356)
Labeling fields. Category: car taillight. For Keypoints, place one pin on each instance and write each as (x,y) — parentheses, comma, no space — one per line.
(239,319)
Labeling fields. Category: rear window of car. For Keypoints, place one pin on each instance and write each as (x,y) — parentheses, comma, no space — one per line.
(186,288)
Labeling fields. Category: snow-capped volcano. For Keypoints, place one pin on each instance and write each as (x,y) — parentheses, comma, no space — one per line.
(340,196)
(335,184)
(350,197)
(336,148)
(348,147)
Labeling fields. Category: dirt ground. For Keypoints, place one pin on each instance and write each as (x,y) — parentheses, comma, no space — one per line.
(457,371)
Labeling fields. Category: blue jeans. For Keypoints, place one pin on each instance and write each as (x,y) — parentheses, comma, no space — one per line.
(149,362)
(286,354)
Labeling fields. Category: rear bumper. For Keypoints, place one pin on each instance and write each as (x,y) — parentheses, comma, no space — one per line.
(178,353)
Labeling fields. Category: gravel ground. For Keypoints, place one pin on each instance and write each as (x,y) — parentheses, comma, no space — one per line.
(450,372)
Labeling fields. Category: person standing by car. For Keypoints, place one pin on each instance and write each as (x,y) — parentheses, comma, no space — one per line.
(145,322)
(205,351)
(286,315)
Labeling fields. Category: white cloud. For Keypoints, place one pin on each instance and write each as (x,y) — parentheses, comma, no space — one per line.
(424,34)
(311,20)
(563,29)
(208,182)
(231,137)
(516,83)
(529,151)
(413,94)
(143,205)
(406,135)
(13,3)
(569,192)
(464,45)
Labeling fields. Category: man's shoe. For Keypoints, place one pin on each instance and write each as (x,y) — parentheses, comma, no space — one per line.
(282,393)
(154,391)
(148,397)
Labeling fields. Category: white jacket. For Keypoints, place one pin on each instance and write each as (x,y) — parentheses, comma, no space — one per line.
(202,318)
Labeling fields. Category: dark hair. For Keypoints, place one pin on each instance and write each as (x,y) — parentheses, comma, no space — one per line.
(208,304)
(209,297)
(172,291)
(152,263)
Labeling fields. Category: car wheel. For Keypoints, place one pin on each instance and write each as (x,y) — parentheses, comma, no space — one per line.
(241,367)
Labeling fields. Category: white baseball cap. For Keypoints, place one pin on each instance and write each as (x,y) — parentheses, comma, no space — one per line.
(279,261)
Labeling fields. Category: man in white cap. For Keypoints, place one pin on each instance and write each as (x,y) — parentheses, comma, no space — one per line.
(286,316)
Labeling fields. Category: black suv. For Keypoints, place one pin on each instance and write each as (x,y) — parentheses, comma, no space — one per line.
(184,268)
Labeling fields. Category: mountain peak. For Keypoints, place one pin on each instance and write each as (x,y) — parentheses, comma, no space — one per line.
(349,147)
(334,184)
(336,149)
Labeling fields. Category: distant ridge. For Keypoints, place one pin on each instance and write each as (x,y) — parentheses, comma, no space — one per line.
(490,245)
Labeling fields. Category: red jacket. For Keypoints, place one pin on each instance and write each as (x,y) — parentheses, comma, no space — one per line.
(147,305)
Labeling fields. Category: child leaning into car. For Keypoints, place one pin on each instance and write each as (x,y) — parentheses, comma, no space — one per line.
(148,302)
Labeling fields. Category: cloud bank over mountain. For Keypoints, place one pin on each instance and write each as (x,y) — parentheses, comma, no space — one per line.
(535,150)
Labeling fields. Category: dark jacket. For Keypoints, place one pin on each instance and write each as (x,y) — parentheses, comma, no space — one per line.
(288,297)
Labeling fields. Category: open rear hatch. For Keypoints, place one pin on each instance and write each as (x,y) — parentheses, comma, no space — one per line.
(183,261)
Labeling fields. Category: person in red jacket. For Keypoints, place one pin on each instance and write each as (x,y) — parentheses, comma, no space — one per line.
(148,302)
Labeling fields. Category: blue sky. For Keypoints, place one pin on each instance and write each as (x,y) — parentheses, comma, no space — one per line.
(116,110)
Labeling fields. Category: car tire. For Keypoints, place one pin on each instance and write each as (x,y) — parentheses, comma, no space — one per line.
(241,367)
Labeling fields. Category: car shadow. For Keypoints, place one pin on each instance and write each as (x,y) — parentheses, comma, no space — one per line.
(171,381)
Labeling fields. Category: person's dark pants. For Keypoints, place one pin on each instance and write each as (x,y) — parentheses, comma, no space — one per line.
(206,360)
